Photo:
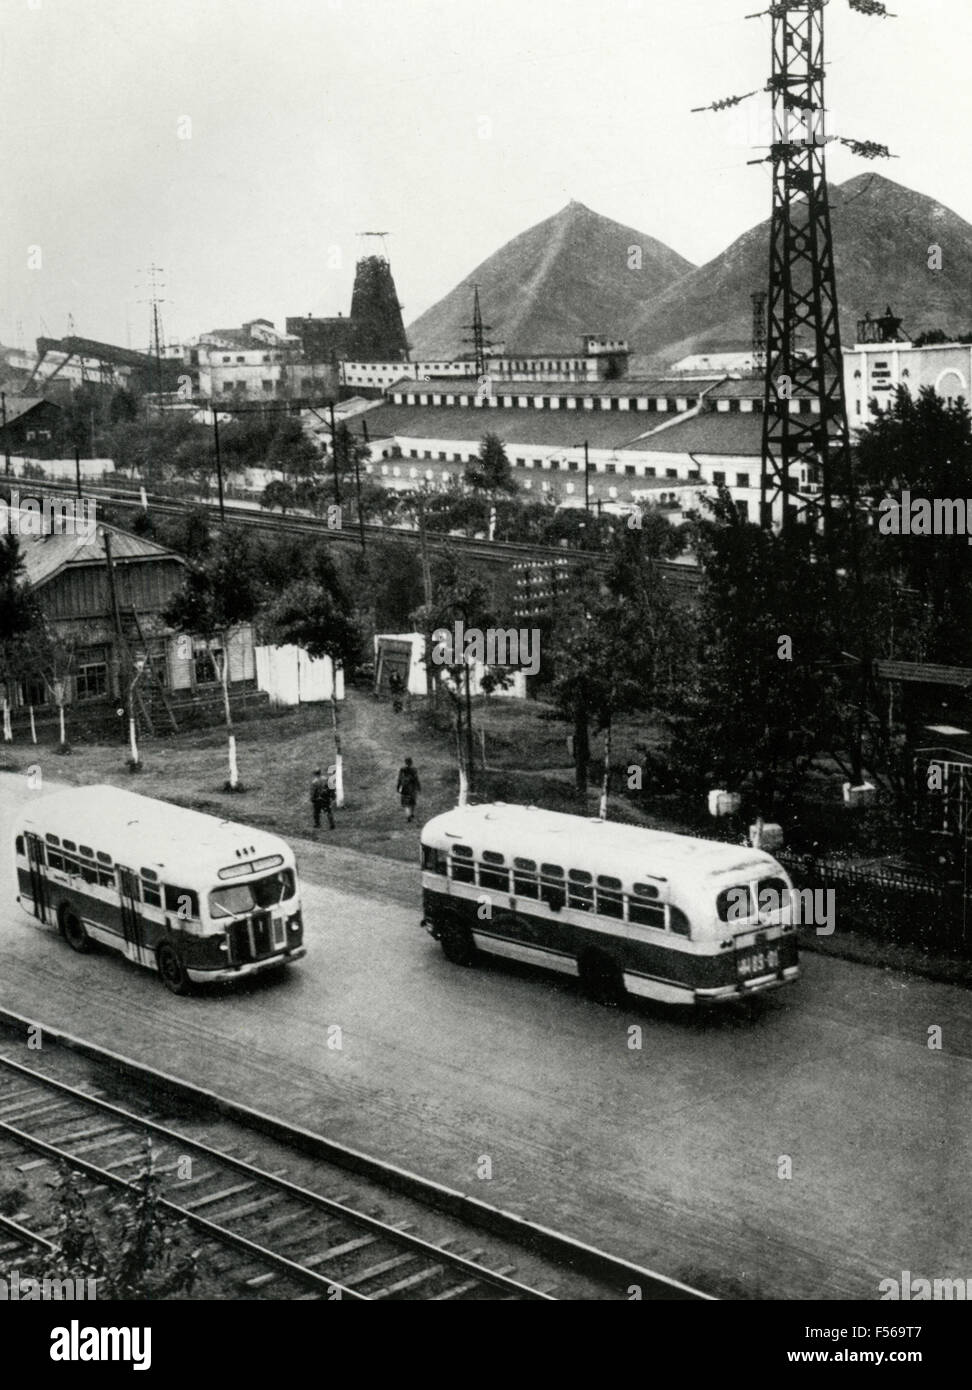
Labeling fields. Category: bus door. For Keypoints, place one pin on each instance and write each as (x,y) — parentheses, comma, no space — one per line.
(132,929)
(38,880)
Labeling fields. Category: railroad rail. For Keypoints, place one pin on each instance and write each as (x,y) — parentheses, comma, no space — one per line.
(304,524)
(269,1236)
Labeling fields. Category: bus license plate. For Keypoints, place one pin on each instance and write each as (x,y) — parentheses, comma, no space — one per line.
(758,963)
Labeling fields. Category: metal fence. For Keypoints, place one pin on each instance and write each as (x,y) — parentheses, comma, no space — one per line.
(900,905)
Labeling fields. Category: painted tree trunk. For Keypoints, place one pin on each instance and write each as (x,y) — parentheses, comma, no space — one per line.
(338,759)
(133,740)
(605,778)
(60,711)
(33,726)
(222,671)
(7,726)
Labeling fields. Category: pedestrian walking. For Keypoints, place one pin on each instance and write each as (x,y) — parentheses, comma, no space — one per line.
(409,787)
(322,799)
(395,685)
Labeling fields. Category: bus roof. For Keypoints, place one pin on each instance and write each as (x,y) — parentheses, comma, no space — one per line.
(628,851)
(140,831)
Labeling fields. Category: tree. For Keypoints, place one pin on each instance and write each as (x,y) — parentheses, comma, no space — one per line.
(922,446)
(316,612)
(19,619)
(610,643)
(491,475)
(763,699)
(220,592)
(278,494)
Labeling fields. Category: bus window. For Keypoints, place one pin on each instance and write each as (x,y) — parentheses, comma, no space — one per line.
(643,907)
(104,858)
(71,865)
(184,902)
(735,904)
(68,844)
(86,852)
(462,867)
(106,878)
(580,890)
(244,897)
(525,881)
(434,860)
(491,875)
(52,839)
(772,896)
(151,894)
(609,900)
(20,844)
(89,873)
(552,886)
(54,861)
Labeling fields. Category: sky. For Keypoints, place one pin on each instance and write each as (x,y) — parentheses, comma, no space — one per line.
(242,145)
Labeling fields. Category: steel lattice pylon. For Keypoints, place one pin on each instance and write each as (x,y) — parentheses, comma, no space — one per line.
(805,457)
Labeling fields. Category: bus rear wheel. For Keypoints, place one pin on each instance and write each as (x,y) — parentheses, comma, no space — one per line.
(72,929)
(173,972)
(457,943)
(601,978)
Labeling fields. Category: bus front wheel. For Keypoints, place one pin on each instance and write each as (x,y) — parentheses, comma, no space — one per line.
(172,970)
(72,929)
(457,943)
(600,977)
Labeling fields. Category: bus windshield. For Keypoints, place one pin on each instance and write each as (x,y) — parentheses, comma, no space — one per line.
(260,893)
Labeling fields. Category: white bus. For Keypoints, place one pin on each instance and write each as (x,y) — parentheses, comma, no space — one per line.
(660,915)
(191,896)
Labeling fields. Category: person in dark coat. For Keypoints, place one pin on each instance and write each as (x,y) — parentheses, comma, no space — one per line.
(322,799)
(396,685)
(409,787)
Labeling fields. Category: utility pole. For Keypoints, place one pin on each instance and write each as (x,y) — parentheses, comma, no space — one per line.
(219,465)
(805,457)
(153,272)
(759,299)
(334,451)
(6,437)
(77,469)
(357,483)
(479,330)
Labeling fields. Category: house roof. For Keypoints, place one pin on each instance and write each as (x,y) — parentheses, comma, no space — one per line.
(665,387)
(712,432)
(47,556)
(550,429)
(22,405)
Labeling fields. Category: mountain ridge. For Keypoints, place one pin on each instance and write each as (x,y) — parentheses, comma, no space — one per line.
(570,275)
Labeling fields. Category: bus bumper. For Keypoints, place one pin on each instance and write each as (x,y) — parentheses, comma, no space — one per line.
(726,993)
(253,967)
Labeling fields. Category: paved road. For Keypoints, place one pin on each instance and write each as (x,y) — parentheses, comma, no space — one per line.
(669,1155)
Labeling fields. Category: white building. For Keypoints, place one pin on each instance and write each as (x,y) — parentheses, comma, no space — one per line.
(255,362)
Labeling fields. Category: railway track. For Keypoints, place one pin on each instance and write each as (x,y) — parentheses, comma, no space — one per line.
(503,552)
(225,1171)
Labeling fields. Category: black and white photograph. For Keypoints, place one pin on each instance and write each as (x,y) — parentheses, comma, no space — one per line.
(486,671)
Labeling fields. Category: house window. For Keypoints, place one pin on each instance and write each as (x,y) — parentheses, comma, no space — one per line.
(267,386)
(671,472)
(719,479)
(91,681)
(629,469)
(742,480)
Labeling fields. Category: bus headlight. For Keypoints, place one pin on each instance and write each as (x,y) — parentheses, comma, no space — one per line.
(294,922)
